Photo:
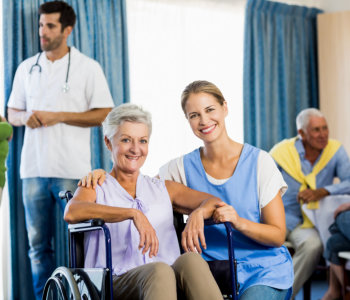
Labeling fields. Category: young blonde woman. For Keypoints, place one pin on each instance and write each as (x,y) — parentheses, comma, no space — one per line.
(248,181)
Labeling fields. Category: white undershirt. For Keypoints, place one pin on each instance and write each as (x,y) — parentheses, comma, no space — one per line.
(269,178)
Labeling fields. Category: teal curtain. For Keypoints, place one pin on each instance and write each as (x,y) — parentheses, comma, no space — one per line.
(100,33)
(280,69)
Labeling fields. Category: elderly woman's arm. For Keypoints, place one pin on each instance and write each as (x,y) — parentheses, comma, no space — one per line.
(199,206)
(83,207)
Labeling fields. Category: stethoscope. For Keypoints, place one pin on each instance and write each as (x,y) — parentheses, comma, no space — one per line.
(65,87)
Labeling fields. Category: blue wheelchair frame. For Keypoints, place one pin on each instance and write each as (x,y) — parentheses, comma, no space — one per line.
(92,225)
(231,256)
(98,224)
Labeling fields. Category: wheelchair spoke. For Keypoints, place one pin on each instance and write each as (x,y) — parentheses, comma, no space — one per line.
(61,286)
(86,288)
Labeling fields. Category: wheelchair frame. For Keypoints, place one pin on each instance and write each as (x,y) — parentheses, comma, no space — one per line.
(75,231)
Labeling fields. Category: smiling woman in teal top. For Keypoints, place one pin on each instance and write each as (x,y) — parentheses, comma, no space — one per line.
(249,183)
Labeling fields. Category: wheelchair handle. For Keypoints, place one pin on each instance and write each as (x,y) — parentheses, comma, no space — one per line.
(65,195)
(231,254)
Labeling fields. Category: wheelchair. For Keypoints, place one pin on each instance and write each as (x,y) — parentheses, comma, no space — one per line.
(77,282)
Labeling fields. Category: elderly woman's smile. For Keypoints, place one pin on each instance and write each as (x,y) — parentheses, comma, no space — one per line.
(129,146)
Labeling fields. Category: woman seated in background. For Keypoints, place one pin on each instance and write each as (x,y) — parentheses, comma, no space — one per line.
(249,183)
(339,241)
(139,210)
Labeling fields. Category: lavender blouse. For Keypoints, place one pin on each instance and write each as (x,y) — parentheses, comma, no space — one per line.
(153,200)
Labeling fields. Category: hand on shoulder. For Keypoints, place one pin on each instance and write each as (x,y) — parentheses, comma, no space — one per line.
(95,177)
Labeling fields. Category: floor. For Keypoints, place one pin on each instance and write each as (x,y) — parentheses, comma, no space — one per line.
(319,286)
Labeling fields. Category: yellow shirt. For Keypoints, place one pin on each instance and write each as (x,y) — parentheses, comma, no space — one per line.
(287,157)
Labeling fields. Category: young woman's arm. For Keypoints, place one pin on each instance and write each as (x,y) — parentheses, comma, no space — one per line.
(272,230)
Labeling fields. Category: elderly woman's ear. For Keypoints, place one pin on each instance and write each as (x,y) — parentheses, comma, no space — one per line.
(108,143)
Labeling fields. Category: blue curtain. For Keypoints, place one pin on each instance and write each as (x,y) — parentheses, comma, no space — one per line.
(280,69)
(100,33)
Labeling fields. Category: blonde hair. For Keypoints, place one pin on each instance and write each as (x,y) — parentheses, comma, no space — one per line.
(201,86)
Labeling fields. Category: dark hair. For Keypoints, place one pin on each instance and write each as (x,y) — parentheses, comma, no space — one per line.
(67,14)
(201,86)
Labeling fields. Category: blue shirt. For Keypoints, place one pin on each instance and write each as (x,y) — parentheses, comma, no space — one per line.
(257,264)
(338,166)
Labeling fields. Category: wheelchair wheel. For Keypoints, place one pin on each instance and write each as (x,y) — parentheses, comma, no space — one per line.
(54,289)
(86,288)
(61,286)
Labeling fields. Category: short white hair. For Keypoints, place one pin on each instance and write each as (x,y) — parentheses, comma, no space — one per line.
(125,113)
(303,118)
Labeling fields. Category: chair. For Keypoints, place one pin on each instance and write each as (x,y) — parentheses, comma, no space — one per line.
(77,282)
(307,285)
(233,289)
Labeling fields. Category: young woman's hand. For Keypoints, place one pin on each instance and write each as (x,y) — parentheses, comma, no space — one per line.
(226,213)
(193,234)
(95,177)
(148,236)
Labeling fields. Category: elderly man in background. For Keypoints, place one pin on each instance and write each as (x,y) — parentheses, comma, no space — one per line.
(309,163)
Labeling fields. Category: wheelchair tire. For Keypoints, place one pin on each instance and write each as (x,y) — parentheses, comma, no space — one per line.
(61,286)
(54,289)
(86,288)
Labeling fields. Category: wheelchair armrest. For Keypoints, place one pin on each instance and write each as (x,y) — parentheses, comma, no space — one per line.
(75,232)
(87,225)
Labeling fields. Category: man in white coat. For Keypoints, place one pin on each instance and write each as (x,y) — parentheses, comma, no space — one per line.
(57,94)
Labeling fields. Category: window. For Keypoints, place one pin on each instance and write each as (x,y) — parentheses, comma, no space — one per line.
(172,43)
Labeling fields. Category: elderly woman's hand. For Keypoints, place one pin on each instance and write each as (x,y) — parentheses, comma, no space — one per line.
(226,213)
(194,232)
(148,236)
(94,177)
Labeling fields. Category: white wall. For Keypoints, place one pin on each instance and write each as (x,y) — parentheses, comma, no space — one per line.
(326,5)
(334,5)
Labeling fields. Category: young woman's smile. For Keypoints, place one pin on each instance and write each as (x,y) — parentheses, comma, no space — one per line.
(206,116)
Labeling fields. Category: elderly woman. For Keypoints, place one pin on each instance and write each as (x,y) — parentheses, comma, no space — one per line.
(138,209)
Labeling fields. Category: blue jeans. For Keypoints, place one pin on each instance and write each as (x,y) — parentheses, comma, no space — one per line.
(264,292)
(39,198)
(340,238)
